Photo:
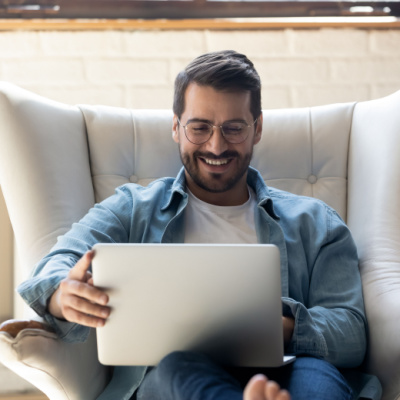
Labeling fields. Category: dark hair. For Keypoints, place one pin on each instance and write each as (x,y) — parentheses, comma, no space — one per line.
(222,70)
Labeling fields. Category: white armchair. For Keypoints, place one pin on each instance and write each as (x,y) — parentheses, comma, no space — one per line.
(56,161)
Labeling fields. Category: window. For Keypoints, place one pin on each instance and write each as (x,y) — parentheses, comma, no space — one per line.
(193,9)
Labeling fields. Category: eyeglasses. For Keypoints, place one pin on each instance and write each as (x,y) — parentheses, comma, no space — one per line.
(199,132)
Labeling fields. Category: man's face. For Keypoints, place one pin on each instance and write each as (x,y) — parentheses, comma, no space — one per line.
(216,171)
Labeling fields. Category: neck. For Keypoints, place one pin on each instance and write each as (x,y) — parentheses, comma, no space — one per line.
(232,197)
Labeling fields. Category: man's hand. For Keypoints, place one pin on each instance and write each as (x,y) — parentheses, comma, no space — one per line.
(77,300)
(288,327)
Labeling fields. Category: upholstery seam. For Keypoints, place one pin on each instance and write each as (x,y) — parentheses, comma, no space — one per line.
(135,147)
(312,148)
(88,147)
(348,159)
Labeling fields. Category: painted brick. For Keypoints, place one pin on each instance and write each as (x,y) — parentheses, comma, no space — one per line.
(110,95)
(19,44)
(140,71)
(366,70)
(150,97)
(275,97)
(329,42)
(251,43)
(43,70)
(292,70)
(385,89)
(177,65)
(385,42)
(165,43)
(316,95)
(81,43)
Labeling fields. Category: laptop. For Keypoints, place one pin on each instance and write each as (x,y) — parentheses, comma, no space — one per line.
(220,299)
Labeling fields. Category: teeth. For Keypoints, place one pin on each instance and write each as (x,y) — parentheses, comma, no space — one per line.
(216,162)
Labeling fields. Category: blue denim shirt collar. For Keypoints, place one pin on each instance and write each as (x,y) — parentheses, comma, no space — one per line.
(177,190)
(254,180)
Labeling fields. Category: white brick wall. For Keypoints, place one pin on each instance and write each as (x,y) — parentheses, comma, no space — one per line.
(137,68)
(330,43)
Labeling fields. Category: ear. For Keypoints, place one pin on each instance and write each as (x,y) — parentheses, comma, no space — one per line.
(257,136)
(175,129)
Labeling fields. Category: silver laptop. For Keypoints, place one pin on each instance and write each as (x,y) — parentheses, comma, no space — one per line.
(223,300)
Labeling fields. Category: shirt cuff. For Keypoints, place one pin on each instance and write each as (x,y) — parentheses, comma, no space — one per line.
(307,339)
(36,292)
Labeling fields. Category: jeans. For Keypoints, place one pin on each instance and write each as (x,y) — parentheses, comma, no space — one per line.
(193,376)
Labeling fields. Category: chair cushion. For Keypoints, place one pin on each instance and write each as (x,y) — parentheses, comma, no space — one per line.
(62,371)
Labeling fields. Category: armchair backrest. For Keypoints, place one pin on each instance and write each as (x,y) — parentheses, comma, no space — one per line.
(374,218)
(56,161)
(137,146)
(59,160)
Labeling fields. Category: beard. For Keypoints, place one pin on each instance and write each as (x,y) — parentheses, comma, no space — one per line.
(215,182)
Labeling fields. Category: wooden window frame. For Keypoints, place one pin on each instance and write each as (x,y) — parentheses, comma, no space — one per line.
(194,9)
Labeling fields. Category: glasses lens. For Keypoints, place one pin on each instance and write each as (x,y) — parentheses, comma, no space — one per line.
(198,132)
(235,132)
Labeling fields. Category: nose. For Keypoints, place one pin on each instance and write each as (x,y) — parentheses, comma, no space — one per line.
(217,143)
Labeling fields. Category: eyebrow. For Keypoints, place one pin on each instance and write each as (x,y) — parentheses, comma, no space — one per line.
(207,121)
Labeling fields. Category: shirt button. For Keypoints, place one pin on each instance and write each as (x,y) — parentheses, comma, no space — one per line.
(312,179)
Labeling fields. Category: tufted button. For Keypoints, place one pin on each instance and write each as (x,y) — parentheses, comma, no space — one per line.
(133,179)
(312,179)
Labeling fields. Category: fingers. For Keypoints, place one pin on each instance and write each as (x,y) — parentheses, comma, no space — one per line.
(78,300)
(83,303)
(79,271)
(83,290)
(84,312)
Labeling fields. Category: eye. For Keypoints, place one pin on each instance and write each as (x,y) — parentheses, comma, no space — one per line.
(198,127)
(234,128)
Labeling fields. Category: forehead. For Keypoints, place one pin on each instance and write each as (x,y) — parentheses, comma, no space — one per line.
(206,102)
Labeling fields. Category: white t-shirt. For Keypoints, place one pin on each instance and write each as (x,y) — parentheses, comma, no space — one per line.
(207,223)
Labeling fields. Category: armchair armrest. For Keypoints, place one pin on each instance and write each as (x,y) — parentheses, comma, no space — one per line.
(63,371)
(14,326)
(374,219)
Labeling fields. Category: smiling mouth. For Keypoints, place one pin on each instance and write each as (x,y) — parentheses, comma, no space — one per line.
(222,160)
(216,162)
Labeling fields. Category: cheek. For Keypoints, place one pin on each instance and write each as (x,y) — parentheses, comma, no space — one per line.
(186,152)
(183,150)
(246,149)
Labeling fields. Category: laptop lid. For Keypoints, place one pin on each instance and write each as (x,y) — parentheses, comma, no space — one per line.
(220,299)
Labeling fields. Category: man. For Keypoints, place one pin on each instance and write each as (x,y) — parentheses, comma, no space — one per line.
(218,198)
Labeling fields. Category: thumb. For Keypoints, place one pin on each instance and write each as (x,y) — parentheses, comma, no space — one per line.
(79,271)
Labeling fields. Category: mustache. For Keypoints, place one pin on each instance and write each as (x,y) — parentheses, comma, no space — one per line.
(211,156)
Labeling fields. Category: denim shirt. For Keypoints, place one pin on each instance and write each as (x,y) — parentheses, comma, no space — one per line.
(321,285)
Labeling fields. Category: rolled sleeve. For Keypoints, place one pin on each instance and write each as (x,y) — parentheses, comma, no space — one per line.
(330,322)
(306,338)
(36,292)
(105,222)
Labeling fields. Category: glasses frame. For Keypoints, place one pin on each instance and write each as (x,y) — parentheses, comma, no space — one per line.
(212,132)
